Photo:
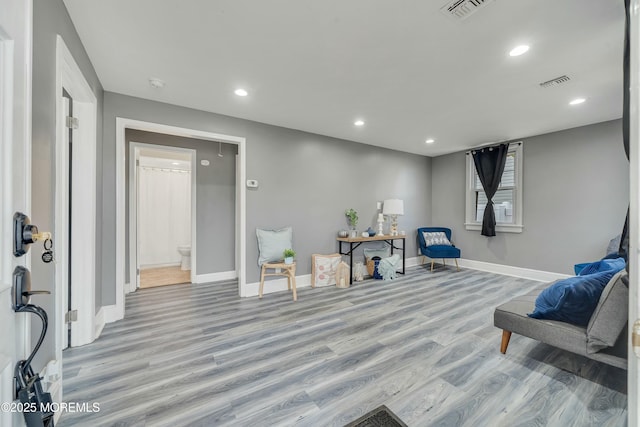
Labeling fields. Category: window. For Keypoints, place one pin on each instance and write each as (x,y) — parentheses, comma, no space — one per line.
(507,202)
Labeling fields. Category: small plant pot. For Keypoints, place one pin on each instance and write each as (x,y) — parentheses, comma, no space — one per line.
(288,260)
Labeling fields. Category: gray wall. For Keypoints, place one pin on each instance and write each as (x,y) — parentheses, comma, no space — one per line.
(576,192)
(215,199)
(50,18)
(576,181)
(306,181)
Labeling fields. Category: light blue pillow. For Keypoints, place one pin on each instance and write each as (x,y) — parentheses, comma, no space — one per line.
(272,243)
(435,238)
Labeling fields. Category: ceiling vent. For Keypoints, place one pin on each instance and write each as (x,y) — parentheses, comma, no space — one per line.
(555,82)
(462,9)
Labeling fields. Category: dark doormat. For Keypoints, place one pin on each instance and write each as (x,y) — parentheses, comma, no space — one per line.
(379,417)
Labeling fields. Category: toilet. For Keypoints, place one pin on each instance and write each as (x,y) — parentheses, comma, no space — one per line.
(185,252)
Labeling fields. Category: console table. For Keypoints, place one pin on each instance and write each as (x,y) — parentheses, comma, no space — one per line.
(355,242)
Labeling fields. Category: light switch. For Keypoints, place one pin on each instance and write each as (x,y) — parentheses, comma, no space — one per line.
(252,183)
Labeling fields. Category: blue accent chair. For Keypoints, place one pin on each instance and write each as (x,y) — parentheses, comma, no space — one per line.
(438,251)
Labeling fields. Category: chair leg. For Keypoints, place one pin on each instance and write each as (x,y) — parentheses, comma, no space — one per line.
(432,261)
(443,263)
(261,282)
(506,336)
(292,274)
(457,266)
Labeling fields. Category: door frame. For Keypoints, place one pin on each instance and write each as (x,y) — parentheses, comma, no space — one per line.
(116,312)
(134,260)
(633,379)
(16,32)
(83,228)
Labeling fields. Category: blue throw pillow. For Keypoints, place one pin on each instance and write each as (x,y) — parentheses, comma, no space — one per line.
(573,300)
(577,268)
(606,264)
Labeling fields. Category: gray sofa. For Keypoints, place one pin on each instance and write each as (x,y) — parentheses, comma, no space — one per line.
(604,339)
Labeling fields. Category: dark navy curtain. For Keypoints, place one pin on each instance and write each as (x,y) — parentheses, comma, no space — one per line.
(490,165)
(624,239)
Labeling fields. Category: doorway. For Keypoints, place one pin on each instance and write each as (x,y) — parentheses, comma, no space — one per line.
(162,215)
(68,141)
(116,312)
(74,243)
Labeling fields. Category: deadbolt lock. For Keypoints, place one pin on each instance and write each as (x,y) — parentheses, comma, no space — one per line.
(25,233)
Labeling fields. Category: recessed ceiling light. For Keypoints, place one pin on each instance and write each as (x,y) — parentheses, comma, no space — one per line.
(156,83)
(241,92)
(359,123)
(175,163)
(519,50)
(430,141)
(577,101)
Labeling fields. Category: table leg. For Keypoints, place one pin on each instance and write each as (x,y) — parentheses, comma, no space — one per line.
(350,263)
(404,246)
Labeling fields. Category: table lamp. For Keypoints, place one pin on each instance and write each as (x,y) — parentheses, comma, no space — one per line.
(393,208)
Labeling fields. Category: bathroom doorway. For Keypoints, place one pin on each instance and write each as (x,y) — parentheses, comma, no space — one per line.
(162,197)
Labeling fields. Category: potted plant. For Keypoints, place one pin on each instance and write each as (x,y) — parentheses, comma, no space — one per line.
(288,256)
(352,217)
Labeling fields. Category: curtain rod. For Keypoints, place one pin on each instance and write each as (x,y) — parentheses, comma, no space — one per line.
(482,147)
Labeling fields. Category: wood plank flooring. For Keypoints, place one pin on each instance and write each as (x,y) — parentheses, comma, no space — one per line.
(163,276)
(423,345)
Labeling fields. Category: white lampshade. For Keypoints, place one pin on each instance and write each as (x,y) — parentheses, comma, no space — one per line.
(393,207)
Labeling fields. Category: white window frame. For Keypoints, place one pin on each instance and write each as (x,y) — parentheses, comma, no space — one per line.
(470,210)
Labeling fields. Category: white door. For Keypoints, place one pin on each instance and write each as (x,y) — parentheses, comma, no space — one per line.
(15,186)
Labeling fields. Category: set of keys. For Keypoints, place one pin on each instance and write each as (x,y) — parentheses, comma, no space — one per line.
(47,254)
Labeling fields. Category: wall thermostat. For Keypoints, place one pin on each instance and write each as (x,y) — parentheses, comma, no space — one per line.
(252,183)
(204,162)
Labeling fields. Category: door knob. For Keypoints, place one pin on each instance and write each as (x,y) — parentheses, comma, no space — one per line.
(21,290)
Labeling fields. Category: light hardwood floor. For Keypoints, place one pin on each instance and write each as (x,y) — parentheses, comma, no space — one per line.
(163,276)
(424,345)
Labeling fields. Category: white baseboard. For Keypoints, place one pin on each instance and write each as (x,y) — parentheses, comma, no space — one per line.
(216,277)
(276,285)
(56,396)
(303,281)
(99,323)
(51,377)
(161,265)
(412,262)
(111,313)
(128,288)
(507,270)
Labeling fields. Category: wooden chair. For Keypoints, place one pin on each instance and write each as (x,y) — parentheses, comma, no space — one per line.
(287,270)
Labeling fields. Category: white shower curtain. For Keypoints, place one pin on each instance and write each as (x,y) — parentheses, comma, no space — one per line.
(164,209)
